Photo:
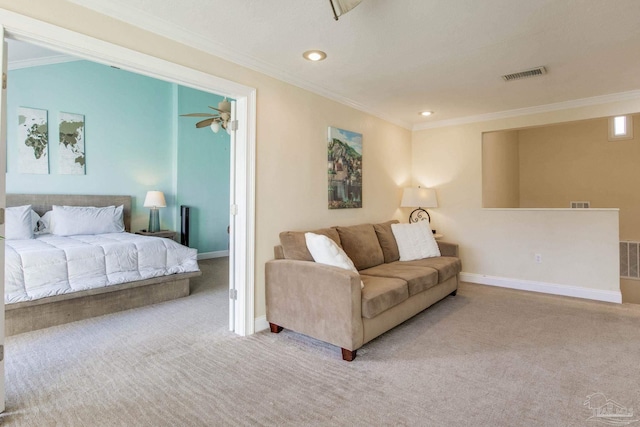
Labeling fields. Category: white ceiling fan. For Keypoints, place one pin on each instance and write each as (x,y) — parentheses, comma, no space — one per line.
(340,7)
(217,120)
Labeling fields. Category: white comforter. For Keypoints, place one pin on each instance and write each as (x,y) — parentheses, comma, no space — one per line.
(53,265)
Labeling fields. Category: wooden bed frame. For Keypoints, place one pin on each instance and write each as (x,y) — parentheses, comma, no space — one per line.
(59,309)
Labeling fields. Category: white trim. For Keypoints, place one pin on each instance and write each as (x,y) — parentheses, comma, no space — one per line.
(565,105)
(261,323)
(31,30)
(214,254)
(547,288)
(37,62)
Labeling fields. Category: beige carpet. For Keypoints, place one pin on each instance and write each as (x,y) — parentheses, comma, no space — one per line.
(487,357)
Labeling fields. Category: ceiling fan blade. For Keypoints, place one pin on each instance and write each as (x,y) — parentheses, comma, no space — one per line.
(217,109)
(198,115)
(205,123)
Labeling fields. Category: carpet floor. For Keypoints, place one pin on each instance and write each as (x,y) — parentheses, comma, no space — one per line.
(487,357)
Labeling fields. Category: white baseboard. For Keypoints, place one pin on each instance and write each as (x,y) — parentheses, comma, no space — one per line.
(547,288)
(261,323)
(209,255)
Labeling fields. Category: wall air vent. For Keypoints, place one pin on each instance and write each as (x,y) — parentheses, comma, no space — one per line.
(524,74)
(580,205)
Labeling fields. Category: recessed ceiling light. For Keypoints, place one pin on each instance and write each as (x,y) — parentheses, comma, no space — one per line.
(426,113)
(314,55)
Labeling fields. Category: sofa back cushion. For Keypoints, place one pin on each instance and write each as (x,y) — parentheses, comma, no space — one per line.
(360,242)
(387,241)
(294,245)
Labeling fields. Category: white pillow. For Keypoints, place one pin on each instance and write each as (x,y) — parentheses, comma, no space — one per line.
(415,241)
(74,220)
(326,251)
(18,223)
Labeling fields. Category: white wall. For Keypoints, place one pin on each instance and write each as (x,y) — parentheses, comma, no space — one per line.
(501,243)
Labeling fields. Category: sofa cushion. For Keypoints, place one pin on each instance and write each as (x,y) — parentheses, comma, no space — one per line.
(447,266)
(360,242)
(387,241)
(381,293)
(418,278)
(294,245)
(415,241)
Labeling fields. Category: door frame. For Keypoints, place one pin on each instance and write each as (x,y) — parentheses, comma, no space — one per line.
(242,179)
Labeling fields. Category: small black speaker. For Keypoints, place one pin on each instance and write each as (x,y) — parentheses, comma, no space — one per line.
(184,230)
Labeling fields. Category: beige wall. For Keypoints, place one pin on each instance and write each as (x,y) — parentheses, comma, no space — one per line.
(576,162)
(500,170)
(450,159)
(291,136)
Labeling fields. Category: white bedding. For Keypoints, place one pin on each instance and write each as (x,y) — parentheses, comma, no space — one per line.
(52,265)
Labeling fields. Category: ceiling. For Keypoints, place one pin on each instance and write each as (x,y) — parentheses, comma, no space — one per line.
(397,58)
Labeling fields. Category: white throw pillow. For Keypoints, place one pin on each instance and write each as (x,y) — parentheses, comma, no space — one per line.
(415,241)
(325,251)
(18,223)
(74,220)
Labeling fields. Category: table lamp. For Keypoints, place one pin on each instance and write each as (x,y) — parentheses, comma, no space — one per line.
(419,198)
(154,200)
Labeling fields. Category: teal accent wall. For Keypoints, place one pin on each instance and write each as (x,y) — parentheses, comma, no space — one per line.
(203,172)
(134,142)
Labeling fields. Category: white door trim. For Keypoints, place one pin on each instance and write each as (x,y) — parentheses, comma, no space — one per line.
(3,176)
(31,30)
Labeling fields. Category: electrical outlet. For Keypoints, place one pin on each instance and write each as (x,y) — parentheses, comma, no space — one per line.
(538,258)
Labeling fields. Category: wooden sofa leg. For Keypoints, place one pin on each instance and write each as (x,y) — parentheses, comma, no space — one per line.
(348,355)
(454,293)
(275,328)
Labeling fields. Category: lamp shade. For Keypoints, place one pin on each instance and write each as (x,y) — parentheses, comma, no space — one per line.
(419,197)
(155,199)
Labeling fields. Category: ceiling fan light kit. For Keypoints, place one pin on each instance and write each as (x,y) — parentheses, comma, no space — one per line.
(217,120)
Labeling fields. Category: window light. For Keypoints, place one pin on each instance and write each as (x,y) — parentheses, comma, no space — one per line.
(620,127)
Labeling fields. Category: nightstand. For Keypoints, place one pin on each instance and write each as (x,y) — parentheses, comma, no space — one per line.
(167,234)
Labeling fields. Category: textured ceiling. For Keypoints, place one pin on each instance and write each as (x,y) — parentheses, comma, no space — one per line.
(396,58)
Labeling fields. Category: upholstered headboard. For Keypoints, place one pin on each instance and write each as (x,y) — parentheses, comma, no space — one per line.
(42,203)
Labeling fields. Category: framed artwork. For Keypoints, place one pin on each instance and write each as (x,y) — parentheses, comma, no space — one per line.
(71,150)
(33,140)
(344,161)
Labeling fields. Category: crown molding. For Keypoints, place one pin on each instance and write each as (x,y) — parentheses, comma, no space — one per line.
(122,12)
(36,62)
(565,105)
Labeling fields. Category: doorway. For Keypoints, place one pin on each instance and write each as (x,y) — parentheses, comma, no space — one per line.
(242,170)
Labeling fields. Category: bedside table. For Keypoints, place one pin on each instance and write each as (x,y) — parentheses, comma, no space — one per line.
(167,234)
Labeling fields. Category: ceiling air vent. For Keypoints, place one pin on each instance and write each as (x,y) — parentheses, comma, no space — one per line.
(524,74)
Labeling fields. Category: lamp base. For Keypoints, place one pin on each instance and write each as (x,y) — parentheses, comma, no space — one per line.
(419,215)
(154,221)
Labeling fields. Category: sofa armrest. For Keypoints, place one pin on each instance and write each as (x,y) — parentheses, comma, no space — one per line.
(448,249)
(317,300)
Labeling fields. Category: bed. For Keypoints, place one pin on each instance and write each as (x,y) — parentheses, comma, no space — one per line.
(131,275)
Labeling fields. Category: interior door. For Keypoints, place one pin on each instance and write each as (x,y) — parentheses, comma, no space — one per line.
(3,176)
(233,210)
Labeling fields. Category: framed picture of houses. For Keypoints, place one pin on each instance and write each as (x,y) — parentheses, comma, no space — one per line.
(344,164)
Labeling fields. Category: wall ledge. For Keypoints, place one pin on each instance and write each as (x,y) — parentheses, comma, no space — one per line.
(542,287)
(553,209)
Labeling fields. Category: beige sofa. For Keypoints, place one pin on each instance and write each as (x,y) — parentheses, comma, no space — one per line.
(328,303)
